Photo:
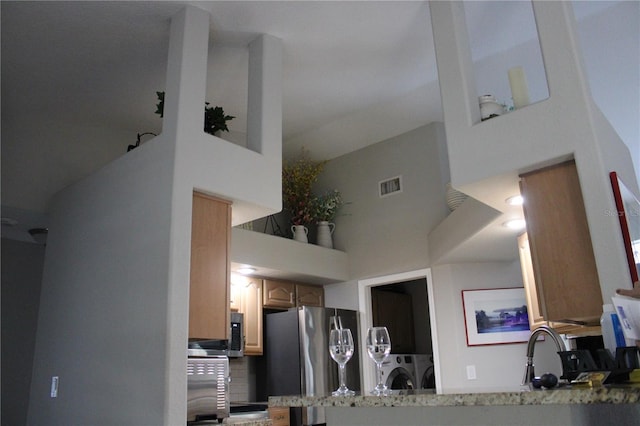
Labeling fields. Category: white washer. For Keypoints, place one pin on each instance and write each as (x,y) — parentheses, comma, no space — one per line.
(423,371)
(398,372)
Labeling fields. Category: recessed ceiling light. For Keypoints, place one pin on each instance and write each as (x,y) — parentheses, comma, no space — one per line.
(246,270)
(515,224)
(516,200)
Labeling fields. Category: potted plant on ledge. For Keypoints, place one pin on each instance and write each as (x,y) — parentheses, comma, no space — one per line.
(215,121)
(297,179)
(325,208)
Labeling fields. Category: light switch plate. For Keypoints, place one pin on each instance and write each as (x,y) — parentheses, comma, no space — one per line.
(471,372)
(54,386)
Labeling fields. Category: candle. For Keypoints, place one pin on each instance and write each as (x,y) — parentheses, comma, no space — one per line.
(519,90)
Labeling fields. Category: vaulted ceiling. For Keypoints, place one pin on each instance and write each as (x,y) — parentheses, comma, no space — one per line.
(79,79)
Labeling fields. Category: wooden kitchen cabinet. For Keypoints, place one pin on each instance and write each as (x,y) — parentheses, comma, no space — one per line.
(251,307)
(279,416)
(564,267)
(279,294)
(286,294)
(309,295)
(536,319)
(209,284)
(533,304)
(235,297)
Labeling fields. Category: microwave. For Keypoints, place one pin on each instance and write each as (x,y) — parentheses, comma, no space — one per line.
(232,348)
(236,341)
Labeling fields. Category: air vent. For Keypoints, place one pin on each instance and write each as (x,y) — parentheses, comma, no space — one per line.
(390,186)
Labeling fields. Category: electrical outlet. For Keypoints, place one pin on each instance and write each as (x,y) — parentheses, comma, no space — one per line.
(54,386)
(471,372)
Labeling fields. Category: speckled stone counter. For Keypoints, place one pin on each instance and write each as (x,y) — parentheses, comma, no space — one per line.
(604,395)
(562,407)
(247,422)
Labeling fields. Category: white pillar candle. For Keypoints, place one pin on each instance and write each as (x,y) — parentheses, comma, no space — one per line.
(519,90)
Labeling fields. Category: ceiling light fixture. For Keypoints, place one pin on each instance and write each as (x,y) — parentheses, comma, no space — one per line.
(516,200)
(246,270)
(516,224)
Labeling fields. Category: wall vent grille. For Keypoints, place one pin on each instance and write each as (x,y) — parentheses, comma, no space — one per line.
(390,186)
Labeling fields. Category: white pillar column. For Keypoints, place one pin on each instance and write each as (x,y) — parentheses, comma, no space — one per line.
(186,73)
(264,123)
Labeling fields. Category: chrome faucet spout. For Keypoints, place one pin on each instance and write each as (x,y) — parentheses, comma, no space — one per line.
(529,372)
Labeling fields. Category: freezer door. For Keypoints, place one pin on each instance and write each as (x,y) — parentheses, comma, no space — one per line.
(282,351)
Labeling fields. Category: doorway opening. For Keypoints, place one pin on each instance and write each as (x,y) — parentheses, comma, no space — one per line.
(403,303)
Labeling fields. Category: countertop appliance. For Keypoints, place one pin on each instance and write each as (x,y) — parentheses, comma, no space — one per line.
(297,360)
(207,388)
(233,347)
(398,372)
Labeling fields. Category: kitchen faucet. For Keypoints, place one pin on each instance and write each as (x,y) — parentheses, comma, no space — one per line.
(529,372)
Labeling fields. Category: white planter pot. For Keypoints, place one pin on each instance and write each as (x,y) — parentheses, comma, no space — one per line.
(325,231)
(300,233)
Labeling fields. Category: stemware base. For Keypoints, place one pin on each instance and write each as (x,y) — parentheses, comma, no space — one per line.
(343,392)
(381,391)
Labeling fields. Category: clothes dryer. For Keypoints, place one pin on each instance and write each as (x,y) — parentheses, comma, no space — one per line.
(398,372)
(423,371)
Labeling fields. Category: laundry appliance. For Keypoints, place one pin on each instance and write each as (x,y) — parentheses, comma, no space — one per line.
(423,371)
(398,372)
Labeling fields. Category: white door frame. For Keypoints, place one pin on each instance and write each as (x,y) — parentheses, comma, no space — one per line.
(366,321)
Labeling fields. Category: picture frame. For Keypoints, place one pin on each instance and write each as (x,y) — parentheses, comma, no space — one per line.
(628,212)
(495,316)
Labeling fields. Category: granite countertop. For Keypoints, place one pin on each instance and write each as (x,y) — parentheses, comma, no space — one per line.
(236,421)
(619,394)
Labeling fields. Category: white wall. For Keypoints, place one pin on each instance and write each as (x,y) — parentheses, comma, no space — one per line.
(342,295)
(379,245)
(498,367)
(103,309)
(566,125)
(114,306)
(22,265)
(388,235)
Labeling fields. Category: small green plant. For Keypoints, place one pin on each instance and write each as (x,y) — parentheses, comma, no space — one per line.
(214,118)
(325,206)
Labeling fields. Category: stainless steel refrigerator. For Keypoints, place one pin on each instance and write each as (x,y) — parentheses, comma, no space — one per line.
(298,360)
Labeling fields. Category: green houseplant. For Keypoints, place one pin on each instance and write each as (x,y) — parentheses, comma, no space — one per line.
(325,206)
(215,119)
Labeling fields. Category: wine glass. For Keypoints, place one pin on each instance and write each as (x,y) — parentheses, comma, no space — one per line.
(341,349)
(378,348)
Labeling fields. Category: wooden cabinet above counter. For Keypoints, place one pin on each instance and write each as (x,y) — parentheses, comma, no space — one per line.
(209,286)
(564,266)
(250,295)
(285,294)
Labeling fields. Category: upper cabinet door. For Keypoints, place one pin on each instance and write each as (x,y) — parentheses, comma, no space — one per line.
(251,307)
(279,294)
(564,265)
(535,314)
(209,286)
(309,295)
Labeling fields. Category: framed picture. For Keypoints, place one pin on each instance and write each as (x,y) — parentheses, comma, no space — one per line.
(495,316)
(628,212)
